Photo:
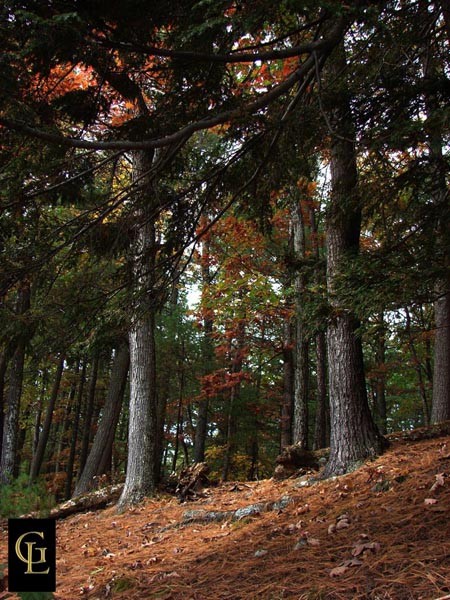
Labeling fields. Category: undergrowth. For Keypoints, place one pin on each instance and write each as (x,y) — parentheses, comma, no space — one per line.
(21,497)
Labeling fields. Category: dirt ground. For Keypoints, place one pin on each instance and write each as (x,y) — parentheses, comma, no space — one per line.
(382,532)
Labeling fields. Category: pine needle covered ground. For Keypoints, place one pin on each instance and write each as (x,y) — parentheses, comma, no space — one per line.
(382,532)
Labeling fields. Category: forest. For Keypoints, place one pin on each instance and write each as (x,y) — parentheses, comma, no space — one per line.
(224,231)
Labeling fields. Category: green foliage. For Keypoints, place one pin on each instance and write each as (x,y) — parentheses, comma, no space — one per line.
(20,498)
(35,595)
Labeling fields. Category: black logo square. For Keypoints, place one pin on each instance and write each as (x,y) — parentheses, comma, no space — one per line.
(31,555)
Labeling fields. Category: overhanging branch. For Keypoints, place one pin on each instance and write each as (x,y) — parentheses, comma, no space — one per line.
(322,47)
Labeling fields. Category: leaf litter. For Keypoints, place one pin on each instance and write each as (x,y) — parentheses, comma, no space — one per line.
(394,545)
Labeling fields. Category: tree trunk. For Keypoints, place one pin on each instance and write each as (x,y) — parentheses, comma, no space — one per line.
(208,358)
(75,427)
(236,367)
(100,452)
(11,420)
(380,382)
(441,372)
(4,359)
(43,437)
(89,412)
(38,417)
(354,436)
(418,367)
(179,435)
(288,386)
(301,347)
(434,69)
(321,435)
(142,430)
(65,422)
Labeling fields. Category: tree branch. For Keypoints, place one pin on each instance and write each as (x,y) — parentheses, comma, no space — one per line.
(325,45)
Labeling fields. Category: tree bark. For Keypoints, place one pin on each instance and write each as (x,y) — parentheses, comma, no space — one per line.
(301,344)
(43,437)
(288,385)
(354,436)
(4,359)
(441,372)
(142,430)
(321,435)
(11,420)
(440,409)
(96,462)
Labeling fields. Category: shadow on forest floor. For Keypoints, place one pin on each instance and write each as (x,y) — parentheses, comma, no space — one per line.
(382,532)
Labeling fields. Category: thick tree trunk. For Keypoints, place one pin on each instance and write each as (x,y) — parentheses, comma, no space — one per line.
(354,436)
(11,420)
(301,344)
(441,372)
(43,437)
(104,437)
(142,430)
(434,69)
(321,435)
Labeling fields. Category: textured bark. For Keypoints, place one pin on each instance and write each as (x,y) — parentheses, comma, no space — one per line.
(11,420)
(103,440)
(301,344)
(441,373)
(142,430)
(354,436)
(433,68)
(4,359)
(321,434)
(43,437)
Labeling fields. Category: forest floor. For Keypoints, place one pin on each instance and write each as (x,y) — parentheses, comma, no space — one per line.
(382,532)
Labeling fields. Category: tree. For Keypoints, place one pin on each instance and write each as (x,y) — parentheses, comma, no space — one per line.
(100,452)
(354,436)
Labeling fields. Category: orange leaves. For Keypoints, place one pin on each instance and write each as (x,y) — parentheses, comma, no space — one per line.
(62,79)
(123,112)
(221,381)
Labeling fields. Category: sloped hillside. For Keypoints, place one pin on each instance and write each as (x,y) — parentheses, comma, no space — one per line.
(382,532)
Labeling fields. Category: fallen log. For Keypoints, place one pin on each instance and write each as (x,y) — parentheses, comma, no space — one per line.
(86,502)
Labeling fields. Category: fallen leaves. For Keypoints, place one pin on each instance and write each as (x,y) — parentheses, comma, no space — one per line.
(359,550)
(440,482)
